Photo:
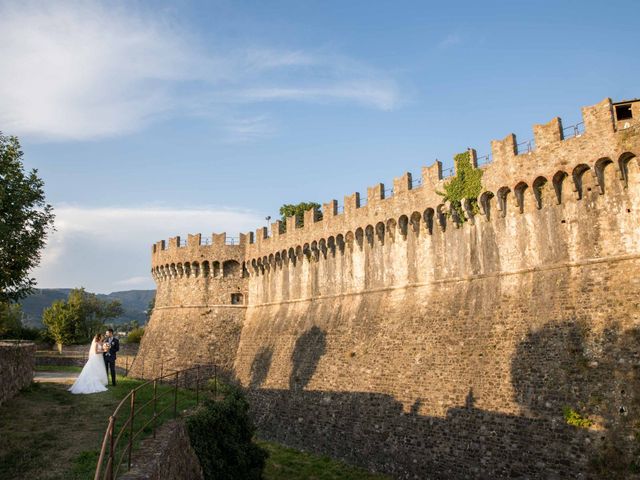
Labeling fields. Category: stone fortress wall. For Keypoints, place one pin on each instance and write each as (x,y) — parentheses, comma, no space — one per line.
(398,336)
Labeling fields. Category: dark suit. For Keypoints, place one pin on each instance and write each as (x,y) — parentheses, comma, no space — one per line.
(110,357)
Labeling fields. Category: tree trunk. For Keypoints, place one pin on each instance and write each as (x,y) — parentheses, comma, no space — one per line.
(59,348)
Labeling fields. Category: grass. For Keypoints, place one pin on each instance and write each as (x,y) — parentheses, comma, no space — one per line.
(58,368)
(48,433)
(289,464)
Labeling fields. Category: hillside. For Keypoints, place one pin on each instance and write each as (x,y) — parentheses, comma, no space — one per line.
(134,304)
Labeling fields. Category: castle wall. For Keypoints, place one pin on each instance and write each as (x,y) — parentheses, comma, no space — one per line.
(399,336)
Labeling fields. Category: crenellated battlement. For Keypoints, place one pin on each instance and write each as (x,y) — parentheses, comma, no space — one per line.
(562,160)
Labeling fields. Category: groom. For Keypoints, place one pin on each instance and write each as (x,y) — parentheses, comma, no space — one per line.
(110,355)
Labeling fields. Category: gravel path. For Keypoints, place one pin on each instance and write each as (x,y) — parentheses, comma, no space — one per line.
(55,377)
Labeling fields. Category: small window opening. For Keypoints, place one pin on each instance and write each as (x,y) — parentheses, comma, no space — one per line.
(623,112)
(236,299)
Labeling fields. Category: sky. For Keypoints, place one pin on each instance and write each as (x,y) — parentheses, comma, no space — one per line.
(148,120)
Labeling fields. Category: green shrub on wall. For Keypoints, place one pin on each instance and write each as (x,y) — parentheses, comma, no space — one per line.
(466,184)
(221,434)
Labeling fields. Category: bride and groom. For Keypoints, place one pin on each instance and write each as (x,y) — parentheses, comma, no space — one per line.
(102,358)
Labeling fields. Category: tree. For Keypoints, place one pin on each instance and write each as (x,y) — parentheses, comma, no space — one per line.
(78,318)
(10,320)
(25,220)
(61,321)
(297,210)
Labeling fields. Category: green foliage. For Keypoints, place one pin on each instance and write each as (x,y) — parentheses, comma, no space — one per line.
(150,307)
(135,335)
(574,418)
(25,220)
(10,320)
(289,464)
(467,184)
(78,318)
(221,434)
(297,210)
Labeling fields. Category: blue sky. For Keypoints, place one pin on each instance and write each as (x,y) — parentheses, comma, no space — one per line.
(151,119)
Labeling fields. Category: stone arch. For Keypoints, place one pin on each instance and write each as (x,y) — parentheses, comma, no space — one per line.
(502,194)
(368,232)
(427,215)
(380,231)
(578,178)
(299,253)
(254,265)
(558,183)
(231,268)
(442,216)
(538,187)
(272,261)
(485,204)
(469,206)
(623,163)
(331,244)
(180,270)
(359,237)
(174,270)
(599,169)
(349,240)
(206,269)
(291,255)
(403,225)
(340,241)
(278,259)
(322,247)
(215,268)
(187,269)
(414,220)
(391,229)
(195,268)
(519,192)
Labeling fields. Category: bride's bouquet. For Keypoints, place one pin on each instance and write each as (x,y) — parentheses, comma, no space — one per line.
(105,347)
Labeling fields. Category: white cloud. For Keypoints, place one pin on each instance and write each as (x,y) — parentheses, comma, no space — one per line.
(450,40)
(83,70)
(107,249)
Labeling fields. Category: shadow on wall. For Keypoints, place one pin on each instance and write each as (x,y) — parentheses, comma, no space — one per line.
(566,365)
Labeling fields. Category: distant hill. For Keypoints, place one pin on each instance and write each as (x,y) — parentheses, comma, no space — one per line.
(134,304)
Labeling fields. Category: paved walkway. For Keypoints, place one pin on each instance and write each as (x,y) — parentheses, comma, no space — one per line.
(55,377)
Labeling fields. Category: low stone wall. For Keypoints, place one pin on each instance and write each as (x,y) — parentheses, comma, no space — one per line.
(18,361)
(169,456)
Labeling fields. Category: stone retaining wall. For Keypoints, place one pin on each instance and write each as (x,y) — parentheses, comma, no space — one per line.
(169,456)
(17,361)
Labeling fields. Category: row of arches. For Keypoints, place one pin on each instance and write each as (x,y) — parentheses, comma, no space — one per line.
(195,269)
(542,191)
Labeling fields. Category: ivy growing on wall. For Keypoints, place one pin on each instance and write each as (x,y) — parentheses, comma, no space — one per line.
(466,184)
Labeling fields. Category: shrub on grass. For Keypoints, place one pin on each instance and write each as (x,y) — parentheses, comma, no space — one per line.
(221,434)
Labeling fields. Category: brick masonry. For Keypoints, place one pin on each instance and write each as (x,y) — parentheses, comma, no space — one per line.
(396,336)
(17,362)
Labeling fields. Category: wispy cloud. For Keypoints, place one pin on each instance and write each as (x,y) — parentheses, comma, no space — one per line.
(105,249)
(450,40)
(84,70)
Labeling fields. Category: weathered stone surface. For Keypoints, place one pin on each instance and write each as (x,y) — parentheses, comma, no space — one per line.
(169,456)
(393,337)
(17,362)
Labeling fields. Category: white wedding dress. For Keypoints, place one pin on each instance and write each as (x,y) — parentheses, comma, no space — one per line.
(93,377)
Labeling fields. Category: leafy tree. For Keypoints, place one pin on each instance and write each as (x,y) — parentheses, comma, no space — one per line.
(10,320)
(465,185)
(297,210)
(78,318)
(135,335)
(25,220)
(61,320)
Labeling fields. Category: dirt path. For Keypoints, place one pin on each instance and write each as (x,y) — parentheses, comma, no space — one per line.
(66,378)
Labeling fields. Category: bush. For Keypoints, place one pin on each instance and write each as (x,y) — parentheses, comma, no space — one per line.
(221,434)
(135,335)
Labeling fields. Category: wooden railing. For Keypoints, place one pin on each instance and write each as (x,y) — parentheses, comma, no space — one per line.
(192,379)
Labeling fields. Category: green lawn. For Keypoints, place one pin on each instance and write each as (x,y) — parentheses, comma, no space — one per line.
(290,464)
(58,368)
(47,433)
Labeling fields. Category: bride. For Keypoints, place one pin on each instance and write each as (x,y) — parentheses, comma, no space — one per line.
(93,377)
